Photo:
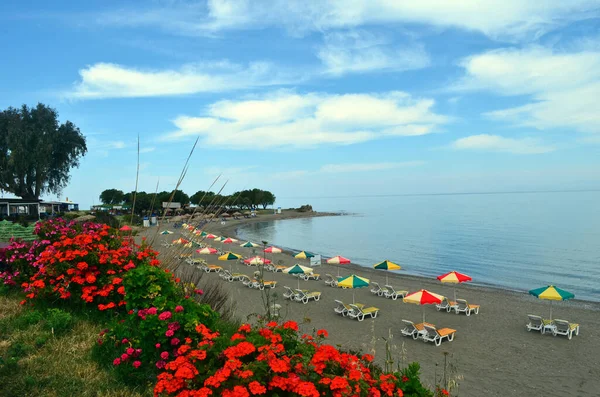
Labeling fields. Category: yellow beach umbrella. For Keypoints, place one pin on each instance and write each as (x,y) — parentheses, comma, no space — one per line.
(423,297)
(386,265)
(353,282)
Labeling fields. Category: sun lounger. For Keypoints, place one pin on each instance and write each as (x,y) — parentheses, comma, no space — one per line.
(275,268)
(377,290)
(261,284)
(305,297)
(289,293)
(446,305)
(245,279)
(310,276)
(392,293)
(330,280)
(536,323)
(437,335)
(226,275)
(359,313)
(210,268)
(563,327)
(341,308)
(410,329)
(464,307)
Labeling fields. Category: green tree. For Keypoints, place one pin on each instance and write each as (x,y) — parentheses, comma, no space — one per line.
(112,196)
(36,152)
(267,198)
(143,201)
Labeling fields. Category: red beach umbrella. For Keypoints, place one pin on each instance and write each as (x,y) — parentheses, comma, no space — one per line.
(454,278)
(338,260)
(125,229)
(423,297)
(273,250)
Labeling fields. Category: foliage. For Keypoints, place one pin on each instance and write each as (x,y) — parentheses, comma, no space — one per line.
(274,360)
(58,321)
(112,196)
(36,152)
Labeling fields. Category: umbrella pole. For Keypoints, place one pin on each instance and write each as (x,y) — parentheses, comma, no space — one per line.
(423,310)
(454,294)
(298,281)
(386,279)
(353,296)
(550,310)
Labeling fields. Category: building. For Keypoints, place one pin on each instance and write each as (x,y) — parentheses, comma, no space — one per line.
(18,206)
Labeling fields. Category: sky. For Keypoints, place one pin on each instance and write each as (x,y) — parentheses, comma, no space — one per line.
(315,98)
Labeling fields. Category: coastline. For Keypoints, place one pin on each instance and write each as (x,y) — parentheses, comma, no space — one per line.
(230,229)
(492,353)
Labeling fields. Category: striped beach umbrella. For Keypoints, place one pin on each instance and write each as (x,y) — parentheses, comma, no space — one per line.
(203,234)
(552,293)
(454,278)
(219,239)
(211,236)
(207,250)
(257,260)
(249,245)
(304,255)
(386,265)
(353,282)
(188,245)
(229,240)
(273,250)
(423,297)
(338,260)
(230,256)
(297,270)
(166,232)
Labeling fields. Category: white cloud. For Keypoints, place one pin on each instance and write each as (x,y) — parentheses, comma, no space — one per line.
(360,51)
(147,149)
(495,143)
(106,80)
(284,119)
(495,18)
(564,87)
(362,167)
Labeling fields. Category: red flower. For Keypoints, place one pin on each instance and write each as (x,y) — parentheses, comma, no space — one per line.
(178,309)
(245,328)
(322,333)
(290,325)
(256,388)
(136,364)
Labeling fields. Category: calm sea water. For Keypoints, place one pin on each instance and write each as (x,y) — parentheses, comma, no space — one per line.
(512,240)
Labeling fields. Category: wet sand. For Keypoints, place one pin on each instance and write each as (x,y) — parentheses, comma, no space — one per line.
(492,353)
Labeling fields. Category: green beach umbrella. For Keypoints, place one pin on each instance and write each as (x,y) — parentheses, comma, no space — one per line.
(203,234)
(298,269)
(249,245)
(230,256)
(167,232)
(386,265)
(353,282)
(551,293)
(304,255)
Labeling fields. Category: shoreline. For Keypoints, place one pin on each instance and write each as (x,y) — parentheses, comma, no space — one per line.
(230,229)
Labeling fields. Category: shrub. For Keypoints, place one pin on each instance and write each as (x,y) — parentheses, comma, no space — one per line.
(58,321)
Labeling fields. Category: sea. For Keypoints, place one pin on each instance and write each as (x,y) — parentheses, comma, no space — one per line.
(516,241)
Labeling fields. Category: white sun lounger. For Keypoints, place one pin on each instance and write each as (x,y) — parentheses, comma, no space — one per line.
(410,329)
(377,290)
(360,313)
(536,323)
(464,307)
(330,280)
(289,293)
(305,297)
(446,305)
(563,327)
(437,335)
(393,294)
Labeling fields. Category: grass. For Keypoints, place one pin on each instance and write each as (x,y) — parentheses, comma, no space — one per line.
(48,353)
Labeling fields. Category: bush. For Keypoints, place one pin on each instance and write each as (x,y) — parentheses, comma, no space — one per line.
(58,321)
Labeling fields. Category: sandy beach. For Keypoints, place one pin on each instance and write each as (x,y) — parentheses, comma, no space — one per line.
(491,355)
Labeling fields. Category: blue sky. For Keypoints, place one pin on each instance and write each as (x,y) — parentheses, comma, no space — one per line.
(316,98)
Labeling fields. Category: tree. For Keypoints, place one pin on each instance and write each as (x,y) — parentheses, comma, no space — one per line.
(112,196)
(36,152)
(143,201)
(267,198)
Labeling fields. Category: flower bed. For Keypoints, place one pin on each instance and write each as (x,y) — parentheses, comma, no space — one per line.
(157,333)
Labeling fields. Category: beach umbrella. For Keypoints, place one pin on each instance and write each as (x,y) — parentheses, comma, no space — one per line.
(166,232)
(454,278)
(207,250)
(273,250)
(195,244)
(219,239)
(125,229)
(297,270)
(229,240)
(211,236)
(338,260)
(230,256)
(353,282)
(386,265)
(257,260)
(188,245)
(551,293)
(203,234)
(180,241)
(249,245)
(423,297)
(304,255)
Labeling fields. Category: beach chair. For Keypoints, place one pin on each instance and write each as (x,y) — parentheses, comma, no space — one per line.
(410,329)
(237,276)
(377,290)
(311,276)
(563,327)
(341,308)
(305,296)
(437,335)
(210,268)
(225,275)
(536,323)
(261,284)
(393,294)
(245,279)
(289,293)
(330,280)
(462,306)
(359,313)
(446,305)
